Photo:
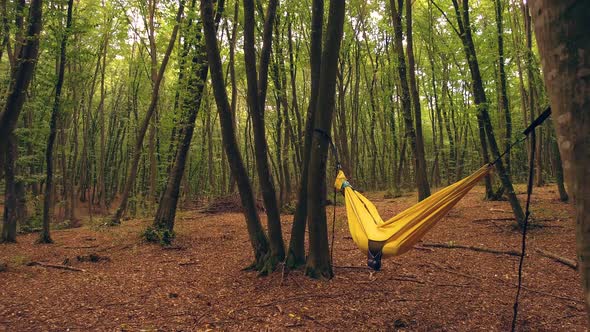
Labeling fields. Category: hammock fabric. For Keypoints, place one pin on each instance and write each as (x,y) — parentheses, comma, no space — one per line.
(395,236)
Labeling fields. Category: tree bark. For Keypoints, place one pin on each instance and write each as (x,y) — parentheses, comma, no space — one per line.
(319,261)
(561,29)
(21,76)
(421,177)
(256,233)
(480,99)
(503,86)
(45,236)
(296,253)
(421,168)
(166,212)
(256,99)
(116,218)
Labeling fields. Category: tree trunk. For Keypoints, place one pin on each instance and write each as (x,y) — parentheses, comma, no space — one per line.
(45,236)
(421,168)
(258,238)
(10,194)
(20,79)
(166,212)
(480,99)
(319,261)
(561,28)
(256,100)
(296,253)
(116,219)
(503,86)
(406,98)
(101,107)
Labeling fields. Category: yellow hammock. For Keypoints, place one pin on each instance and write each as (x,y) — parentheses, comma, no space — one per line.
(395,236)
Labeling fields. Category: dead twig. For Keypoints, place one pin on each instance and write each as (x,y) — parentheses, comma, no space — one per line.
(565,261)
(473,248)
(352,267)
(82,247)
(288,299)
(408,279)
(188,263)
(492,219)
(173,248)
(56,266)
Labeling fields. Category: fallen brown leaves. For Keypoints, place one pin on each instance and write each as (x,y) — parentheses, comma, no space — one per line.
(199,284)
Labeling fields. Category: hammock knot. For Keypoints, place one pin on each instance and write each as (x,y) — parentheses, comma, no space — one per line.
(344,185)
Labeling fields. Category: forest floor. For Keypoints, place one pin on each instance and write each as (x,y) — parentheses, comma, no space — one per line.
(199,284)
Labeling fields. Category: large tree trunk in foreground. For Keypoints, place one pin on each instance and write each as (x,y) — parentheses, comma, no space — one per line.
(318,262)
(256,100)
(296,253)
(562,34)
(45,236)
(116,219)
(20,79)
(255,231)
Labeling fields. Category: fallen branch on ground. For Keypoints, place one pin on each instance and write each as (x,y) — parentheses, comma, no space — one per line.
(173,248)
(565,261)
(492,219)
(474,248)
(408,279)
(56,266)
(352,267)
(82,247)
(188,263)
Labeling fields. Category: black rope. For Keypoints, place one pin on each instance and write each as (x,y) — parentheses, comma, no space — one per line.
(524,229)
(530,130)
(333,230)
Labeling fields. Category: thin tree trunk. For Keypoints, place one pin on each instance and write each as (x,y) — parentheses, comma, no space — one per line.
(256,100)
(101,107)
(45,236)
(10,194)
(421,168)
(319,260)
(21,76)
(232,74)
(421,176)
(258,238)
(296,252)
(503,86)
(166,212)
(116,219)
(482,104)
